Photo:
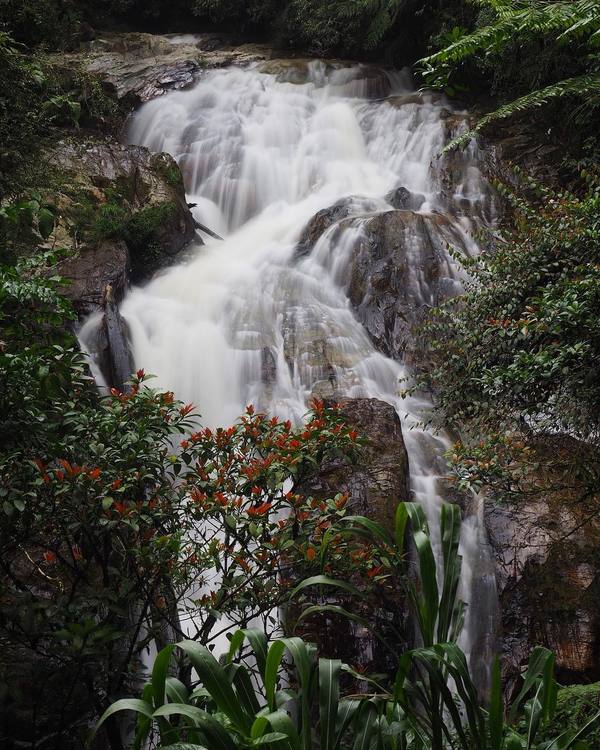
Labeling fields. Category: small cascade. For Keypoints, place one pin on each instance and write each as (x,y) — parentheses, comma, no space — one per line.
(269,318)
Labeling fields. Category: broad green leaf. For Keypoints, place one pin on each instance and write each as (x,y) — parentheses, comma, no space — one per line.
(216,735)
(45,222)
(159,674)
(322,580)
(125,704)
(365,726)
(329,698)
(373,528)
(535,669)
(215,680)
(280,722)
(346,712)
(258,641)
(495,721)
(176,691)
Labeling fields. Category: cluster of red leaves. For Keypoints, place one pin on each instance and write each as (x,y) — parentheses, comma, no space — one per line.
(228,508)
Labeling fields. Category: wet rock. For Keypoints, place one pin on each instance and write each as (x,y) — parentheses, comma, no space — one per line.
(295,70)
(399,265)
(327,217)
(123,216)
(376,483)
(268,365)
(379,480)
(402,198)
(547,552)
(92,271)
(343,78)
(400,268)
(118,365)
(138,67)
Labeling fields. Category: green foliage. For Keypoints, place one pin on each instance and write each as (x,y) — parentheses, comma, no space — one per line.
(515,35)
(107,526)
(253,701)
(21,117)
(523,345)
(252,12)
(53,23)
(575,706)
(341,26)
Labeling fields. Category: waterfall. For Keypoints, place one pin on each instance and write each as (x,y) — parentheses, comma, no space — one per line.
(250,319)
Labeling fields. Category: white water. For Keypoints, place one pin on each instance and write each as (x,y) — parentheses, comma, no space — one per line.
(243,321)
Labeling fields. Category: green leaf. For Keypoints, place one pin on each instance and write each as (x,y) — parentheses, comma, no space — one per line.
(159,674)
(218,737)
(176,691)
(45,222)
(125,704)
(322,580)
(258,641)
(495,721)
(280,722)
(329,698)
(215,680)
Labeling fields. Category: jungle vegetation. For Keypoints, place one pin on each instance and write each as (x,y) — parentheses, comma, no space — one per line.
(97,509)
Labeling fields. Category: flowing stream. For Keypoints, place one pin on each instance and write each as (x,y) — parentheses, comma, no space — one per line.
(249,319)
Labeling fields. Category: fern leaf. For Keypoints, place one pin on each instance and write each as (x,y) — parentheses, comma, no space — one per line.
(587,86)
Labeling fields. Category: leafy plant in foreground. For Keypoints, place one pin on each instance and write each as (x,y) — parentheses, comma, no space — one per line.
(256,702)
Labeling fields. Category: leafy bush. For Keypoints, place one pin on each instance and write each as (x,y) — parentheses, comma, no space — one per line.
(111,533)
(341,26)
(575,706)
(21,116)
(232,11)
(527,36)
(518,356)
(53,23)
(256,701)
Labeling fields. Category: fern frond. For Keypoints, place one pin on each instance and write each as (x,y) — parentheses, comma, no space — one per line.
(566,19)
(587,86)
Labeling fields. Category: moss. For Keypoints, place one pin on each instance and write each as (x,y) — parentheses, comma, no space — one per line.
(575,706)
(110,221)
(142,227)
(168,169)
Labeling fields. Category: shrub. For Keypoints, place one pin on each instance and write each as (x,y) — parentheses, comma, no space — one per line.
(518,356)
(107,524)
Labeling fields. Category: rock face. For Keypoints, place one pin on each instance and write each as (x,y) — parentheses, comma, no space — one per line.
(547,554)
(379,481)
(137,67)
(398,269)
(345,78)
(375,485)
(123,216)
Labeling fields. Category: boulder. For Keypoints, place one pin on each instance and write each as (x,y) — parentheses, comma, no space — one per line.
(402,198)
(399,269)
(354,205)
(123,215)
(375,484)
(380,478)
(92,271)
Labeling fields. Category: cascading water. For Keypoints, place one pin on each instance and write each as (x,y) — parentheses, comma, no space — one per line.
(249,319)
